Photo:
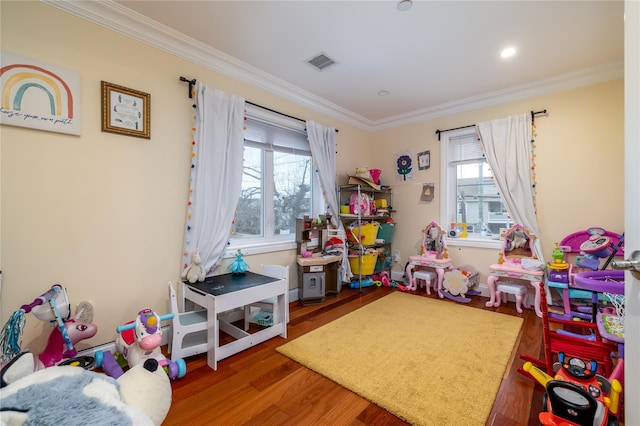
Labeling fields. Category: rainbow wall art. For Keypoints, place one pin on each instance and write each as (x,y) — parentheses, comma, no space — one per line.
(38,95)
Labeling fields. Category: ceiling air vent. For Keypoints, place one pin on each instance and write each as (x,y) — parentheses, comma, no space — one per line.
(321,62)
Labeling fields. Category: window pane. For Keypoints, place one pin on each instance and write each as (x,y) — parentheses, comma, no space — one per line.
(479,204)
(292,190)
(248,220)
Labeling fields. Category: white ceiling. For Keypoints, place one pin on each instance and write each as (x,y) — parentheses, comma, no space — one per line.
(433,58)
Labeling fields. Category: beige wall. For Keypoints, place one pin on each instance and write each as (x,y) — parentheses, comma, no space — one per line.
(579,164)
(104,214)
(101,213)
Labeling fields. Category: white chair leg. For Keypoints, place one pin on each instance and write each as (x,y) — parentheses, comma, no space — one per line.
(247,313)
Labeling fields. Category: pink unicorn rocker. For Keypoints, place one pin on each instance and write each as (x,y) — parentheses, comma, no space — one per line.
(53,307)
(57,347)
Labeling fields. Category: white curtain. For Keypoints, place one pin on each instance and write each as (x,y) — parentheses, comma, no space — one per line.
(507,144)
(216,174)
(323,149)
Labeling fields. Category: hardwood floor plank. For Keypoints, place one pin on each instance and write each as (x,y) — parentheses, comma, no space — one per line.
(261,387)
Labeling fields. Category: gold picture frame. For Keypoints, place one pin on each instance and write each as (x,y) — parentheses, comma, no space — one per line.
(126,111)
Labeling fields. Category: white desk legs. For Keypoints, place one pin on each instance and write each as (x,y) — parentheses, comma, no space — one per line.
(213,334)
(282,314)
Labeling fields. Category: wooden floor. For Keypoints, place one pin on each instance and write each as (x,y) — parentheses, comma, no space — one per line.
(261,387)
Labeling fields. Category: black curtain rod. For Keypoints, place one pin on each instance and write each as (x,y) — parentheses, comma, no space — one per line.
(533,114)
(276,112)
(455,128)
(193,82)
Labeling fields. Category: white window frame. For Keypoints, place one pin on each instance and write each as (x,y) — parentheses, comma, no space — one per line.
(271,242)
(448,203)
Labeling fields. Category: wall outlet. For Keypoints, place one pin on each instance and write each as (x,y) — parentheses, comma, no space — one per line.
(396,255)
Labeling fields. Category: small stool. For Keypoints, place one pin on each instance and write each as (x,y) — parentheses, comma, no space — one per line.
(426,276)
(518,290)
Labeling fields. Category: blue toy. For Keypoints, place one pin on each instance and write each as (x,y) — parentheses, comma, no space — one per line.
(365,282)
(239,266)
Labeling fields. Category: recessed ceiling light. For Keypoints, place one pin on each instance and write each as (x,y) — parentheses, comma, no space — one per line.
(383,92)
(508,52)
(405,5)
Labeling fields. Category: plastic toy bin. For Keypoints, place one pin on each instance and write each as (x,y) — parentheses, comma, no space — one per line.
(367,232)
(368,263)
(386,231)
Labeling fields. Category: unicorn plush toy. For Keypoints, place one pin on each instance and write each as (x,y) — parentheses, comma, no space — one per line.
(195,271)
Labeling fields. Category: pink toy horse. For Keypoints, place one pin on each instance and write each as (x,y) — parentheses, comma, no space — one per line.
(56,348)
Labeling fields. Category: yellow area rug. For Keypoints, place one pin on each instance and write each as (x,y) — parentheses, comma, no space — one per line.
(425,360)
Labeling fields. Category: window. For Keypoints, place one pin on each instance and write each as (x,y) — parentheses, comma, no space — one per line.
(278,183)
(469,194)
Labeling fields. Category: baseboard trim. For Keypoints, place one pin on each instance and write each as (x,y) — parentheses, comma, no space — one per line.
(111,346)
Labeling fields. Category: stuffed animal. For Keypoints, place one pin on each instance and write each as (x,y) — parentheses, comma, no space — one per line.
(195,271)
(519,239)
(434,239)
(66,395)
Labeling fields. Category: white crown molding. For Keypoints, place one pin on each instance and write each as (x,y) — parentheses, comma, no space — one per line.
(115,17)
(555,84)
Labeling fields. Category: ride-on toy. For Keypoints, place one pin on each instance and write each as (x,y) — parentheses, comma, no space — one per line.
(138,341)
(577,395)
(53,307)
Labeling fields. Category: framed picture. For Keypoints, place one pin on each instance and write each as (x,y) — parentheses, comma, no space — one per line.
(126,111)
(424,160)
(428,191)
(38,95)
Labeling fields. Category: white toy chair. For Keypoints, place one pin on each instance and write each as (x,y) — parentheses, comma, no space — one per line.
(188,330)
(264,311)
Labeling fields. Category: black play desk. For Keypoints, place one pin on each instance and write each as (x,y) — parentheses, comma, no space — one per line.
(222,295)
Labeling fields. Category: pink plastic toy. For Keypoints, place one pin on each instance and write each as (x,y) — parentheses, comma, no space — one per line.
(55,350)
(53,307)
